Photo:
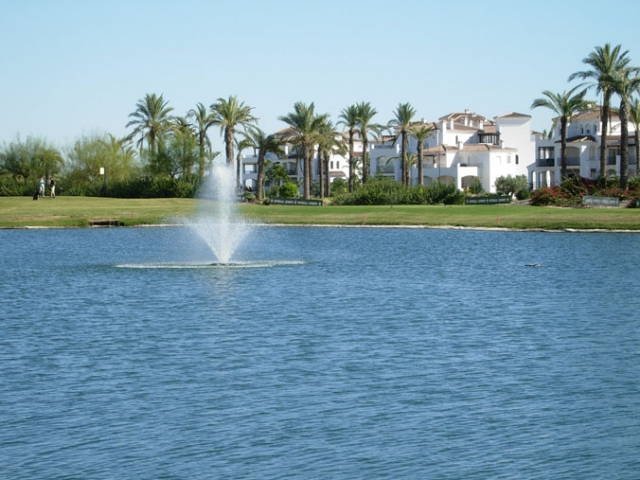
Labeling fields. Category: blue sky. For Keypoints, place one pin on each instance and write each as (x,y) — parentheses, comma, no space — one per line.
(78,67)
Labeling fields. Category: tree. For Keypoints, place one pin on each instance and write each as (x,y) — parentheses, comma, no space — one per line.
(604,62)
(404,114)
(203,120)
(228,115)
(365,127)
(350,119)
(634,116)
(33,157)
(329,141)
(241,144)
(89,154)
(305,126)
(150,120)
(264,144)
(565,105)
(421,133)
(510,185)
(625,83)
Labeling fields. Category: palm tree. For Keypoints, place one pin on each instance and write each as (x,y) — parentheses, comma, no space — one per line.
(263,144)
(228,115)
(604,62)
(421,133)
(305,126)
(404,114)
(565,105)
(634,116)
(150,119)
(203,121)
(625,83)
(350,119)
(241,144)
(119,156)
(329,141)
(365,126)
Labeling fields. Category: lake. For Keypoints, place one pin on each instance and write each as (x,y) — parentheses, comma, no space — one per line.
(324,353)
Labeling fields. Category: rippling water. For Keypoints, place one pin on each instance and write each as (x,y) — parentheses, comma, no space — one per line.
(342,353)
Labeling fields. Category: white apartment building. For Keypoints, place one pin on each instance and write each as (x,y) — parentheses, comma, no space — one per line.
(584,137)
(465,146)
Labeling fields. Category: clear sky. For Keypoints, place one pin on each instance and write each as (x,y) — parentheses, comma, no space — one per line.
(76,67)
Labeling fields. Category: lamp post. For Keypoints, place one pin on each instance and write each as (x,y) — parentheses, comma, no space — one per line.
(103,172)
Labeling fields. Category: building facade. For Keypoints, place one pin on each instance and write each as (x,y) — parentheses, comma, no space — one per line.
(584,137)
(463,148)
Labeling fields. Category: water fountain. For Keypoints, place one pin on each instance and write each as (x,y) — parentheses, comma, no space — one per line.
(216,220)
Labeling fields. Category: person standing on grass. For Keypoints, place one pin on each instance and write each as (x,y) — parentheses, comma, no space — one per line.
(41,191)
(52,187)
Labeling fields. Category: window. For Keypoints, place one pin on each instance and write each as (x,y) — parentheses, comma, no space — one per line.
(338,164)
(331,165)
(517,160)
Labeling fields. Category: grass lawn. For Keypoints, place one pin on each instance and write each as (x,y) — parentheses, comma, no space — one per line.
(82,211)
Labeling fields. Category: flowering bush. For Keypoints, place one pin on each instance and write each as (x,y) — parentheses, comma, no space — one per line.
(571,191)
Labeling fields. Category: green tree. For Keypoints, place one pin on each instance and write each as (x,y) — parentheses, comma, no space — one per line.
(404,114)
(150,120)
(305,126)
(604,63)
(229,114)
(565,105)
(203,120)
(625,83)
(329,141)
(634,117)
(32,158)
(510,185)
(264,144)
(276,174)
(366,127)
(93,159)
(241,145)
(350,119)
(421,133)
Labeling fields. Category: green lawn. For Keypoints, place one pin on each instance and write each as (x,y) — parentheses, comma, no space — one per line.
(82,211)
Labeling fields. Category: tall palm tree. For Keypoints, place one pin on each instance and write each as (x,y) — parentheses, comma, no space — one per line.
(305,126)
(625,83)
(366,127)
(421,133)
(203,120)
(241,144)
(634,116)
(404,114)
(604,62)
(329,141)
(150,119)
(263,144)
(565,105)
(350,119)
(229,114)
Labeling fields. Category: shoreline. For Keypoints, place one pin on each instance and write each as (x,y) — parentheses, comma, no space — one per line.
(313,225)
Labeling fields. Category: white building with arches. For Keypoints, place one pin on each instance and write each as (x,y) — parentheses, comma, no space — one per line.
(464,147)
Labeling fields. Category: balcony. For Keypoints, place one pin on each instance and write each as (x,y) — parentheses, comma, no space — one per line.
(545,162)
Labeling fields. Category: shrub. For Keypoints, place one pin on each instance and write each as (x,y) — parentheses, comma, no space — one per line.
(288,190)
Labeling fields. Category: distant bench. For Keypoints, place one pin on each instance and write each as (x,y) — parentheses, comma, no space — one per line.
(297,201)
(590,201)
(487,200)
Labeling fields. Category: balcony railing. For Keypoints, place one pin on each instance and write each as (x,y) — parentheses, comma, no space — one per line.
(545,162)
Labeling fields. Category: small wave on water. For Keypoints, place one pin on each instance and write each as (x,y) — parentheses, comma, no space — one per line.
(212,265)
